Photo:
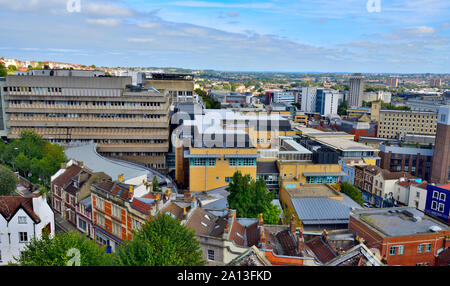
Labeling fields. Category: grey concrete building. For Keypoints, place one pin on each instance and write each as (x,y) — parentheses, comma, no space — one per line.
(125,121)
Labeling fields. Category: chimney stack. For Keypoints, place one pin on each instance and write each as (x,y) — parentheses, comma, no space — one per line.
(300,241)
(262,238)
(292,226)
(261,221)
(325,234)
(187,196)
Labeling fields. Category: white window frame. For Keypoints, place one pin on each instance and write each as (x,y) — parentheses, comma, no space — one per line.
(442,196)
(22,220)
(435,194)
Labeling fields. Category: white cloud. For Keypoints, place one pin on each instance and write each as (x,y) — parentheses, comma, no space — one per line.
(204,4)
(109,22)
(107,10)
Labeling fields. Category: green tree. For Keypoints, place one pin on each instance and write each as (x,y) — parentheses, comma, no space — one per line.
(8,182)
(22,163)
(250,198)
(3,70)
(12,68)
(342,109)
(352,192)
(155,184)
(55,251)
(162,241)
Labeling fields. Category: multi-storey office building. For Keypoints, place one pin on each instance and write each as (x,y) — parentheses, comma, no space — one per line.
(179,86)
(397,123)
(327,101)
(126,122)
(416,160)
(3,128)
(356,91)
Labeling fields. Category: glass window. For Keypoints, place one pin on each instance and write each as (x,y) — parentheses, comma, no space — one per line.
(442,197)
(210,254)
(435,195)
(22,219)
(420,248)
(392,250)
(401,249)
(428,247)
(23,237)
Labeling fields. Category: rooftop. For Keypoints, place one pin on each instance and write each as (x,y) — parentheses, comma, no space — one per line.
(344,144)
(321,210)
(313,190)
(401,221)
(91,159)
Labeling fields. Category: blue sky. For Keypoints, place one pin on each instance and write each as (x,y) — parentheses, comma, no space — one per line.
(405,36)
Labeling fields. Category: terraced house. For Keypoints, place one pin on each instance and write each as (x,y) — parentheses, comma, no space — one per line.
(119,208)
(125,121)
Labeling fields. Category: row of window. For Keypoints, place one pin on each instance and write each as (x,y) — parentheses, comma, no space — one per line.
(437,195)
(400,249)
(79,115)
(85,103)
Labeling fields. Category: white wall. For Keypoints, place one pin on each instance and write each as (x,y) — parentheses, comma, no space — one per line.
(10,245)
(421,199)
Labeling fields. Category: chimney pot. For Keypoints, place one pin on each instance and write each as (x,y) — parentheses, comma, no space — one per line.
(261,221)
(292,227)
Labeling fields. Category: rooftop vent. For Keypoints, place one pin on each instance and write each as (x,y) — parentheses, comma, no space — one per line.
(435,228)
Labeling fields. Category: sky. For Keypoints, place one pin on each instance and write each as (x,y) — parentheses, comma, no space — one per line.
(368,36)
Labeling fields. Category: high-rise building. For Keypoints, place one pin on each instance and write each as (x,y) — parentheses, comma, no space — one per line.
(440,172)
(3,129)
(395,124)
(327,101)
(435,82)
(125,121)
(392,81)
(179,86)
(308,99)
(356,91)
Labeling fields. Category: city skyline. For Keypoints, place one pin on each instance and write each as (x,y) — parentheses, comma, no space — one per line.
(278,36)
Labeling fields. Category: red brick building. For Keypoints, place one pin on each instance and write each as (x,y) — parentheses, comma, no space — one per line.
(403,236)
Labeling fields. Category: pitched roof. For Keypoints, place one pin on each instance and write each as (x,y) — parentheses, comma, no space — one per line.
(288,242)
(252,233)
(445,187)
(174,209)
(314,210)
(10,205)
(201,221)
(406,184)
(65,177)
(321,249)
(142,205)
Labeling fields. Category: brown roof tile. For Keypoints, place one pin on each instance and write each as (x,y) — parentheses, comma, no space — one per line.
(65,177)
(10,205)
(288,242)
(200,223)
(321,249)
(253,234)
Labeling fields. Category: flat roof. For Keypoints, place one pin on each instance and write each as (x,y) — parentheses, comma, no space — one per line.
(344,144)
(398,221)
(313,190)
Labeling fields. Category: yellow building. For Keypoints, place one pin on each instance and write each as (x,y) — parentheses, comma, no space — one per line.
(398,123)
(307,191)
(213,168)
(301,119)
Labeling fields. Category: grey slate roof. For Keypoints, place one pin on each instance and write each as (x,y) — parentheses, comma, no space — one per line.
(312,210)
(91,159)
